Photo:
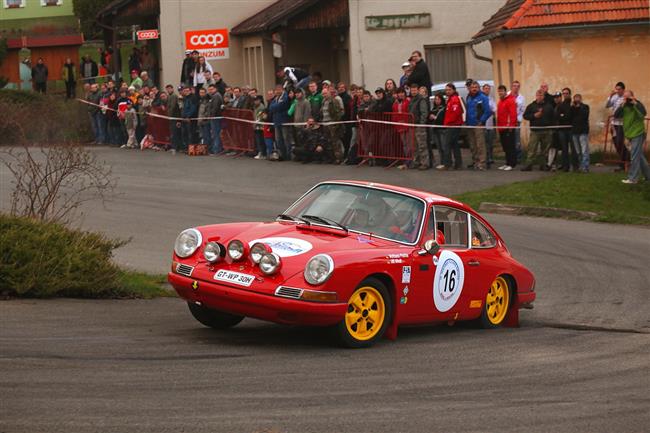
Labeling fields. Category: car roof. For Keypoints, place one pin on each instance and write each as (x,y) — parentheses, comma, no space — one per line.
(424,195)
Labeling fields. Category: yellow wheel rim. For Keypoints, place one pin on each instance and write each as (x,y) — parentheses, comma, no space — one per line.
(497,301)
(366,313)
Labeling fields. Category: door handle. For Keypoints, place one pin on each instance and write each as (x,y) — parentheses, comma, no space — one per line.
(473,262)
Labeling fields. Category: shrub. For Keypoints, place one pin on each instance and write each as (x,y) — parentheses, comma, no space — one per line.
(39,259)
(33,118)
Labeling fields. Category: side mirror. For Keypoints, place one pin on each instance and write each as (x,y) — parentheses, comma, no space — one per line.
(430,247)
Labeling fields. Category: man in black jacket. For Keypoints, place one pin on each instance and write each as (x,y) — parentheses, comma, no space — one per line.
(188,67)
(39,76)
(540,115)
(420,74)
(580,130)
(563,115)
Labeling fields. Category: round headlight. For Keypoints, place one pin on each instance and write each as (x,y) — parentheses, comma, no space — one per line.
(236,250)
(318,269)
(187,242)
(258,250)
(212,252)
(270,263)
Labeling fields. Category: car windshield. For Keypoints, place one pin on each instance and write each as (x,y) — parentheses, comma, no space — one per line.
(381,213)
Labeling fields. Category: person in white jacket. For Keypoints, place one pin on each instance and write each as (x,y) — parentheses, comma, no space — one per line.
(199,77)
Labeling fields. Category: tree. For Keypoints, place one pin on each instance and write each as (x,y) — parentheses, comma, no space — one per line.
(86,11)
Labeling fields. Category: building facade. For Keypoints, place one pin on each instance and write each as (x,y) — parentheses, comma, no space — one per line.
(585,45)
(358,41)
(38,28)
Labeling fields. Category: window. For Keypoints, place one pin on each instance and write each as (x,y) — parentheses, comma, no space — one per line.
(453,225)
(446,63)
(482,237)
(51,2)
(14,3)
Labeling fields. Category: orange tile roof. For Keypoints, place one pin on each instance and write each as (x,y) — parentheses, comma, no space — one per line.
(528,14)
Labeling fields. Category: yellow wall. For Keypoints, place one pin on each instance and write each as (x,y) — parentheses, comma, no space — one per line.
(589,62)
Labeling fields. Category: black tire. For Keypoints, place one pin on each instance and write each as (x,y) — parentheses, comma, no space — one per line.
(341,331)
(213,318)
(487,320)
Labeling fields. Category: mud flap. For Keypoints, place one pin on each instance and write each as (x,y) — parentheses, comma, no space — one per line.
(512,318)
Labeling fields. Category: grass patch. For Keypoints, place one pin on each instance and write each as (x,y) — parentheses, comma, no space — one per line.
(603,193)
(140,285)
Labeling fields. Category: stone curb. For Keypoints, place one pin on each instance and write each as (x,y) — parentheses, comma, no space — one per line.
(508,209)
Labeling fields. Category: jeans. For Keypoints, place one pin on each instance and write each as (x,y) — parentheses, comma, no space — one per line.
(268,142)
(566,142)
(581,143)
(279,141)
(637,158)
(302,84)
(99,127)
(215,131)
(206,137)
(507,137)
(437,138)
(175,135)
(450,145)
(188,128)
(259,142)
(518,152)
(489,145)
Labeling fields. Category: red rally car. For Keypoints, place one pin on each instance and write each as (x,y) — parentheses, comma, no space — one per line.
(363,258)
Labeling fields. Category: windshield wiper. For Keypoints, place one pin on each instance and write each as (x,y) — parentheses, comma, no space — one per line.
(324,220)
(285,216)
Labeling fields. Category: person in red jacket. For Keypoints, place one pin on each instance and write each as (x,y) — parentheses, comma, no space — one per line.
(506,124)
(453,118)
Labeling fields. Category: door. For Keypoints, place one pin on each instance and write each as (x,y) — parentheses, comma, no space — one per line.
(457,279)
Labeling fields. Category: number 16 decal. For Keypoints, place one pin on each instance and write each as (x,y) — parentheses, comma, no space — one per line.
(448,281)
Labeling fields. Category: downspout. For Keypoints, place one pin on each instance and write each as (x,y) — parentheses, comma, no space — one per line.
(477,56)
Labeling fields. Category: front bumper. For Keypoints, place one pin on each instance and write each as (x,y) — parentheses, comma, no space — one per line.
(247,303)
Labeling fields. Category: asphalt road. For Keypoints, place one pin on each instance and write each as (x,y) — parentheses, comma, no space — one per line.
(579,363)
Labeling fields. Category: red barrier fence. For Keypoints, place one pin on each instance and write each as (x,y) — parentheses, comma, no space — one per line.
(394,143)
(238,136)
(609,148)
(158,127)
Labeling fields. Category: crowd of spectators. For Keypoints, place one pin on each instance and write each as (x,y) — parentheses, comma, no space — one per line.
(311,119)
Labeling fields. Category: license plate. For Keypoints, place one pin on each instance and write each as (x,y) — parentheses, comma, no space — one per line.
(234,277)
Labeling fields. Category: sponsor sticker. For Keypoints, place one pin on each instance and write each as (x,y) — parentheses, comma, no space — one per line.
(406,274)
(475,303)
(285,247)
(448,281)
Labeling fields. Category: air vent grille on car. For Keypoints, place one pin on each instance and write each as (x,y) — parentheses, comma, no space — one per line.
(184,269)
(288,292)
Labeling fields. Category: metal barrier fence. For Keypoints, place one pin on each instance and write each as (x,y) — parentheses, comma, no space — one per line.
(158,127)
(382,141)
(612,155)
(238,136)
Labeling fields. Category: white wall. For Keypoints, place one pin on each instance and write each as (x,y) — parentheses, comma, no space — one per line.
(378,54)
(179,16)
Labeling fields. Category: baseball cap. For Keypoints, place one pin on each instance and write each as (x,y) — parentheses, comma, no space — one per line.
(328,82)
(557,94)
(406,64)
(134,71)
(468,81)
(380,89)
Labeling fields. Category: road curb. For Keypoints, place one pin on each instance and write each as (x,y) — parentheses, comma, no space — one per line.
(508,209)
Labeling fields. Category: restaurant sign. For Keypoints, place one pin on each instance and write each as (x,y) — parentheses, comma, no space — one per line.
(393,22)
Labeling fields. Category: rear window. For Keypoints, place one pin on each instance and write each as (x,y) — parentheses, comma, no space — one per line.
(453,225)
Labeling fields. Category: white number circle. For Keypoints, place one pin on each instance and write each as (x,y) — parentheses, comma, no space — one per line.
(448,281)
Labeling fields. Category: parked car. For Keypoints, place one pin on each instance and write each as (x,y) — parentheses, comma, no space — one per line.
(362,258)
(460,88)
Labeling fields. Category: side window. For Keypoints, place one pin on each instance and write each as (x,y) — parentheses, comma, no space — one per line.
(482,237)
(452,226)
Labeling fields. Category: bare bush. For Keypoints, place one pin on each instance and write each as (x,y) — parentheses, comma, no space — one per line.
(51,183)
